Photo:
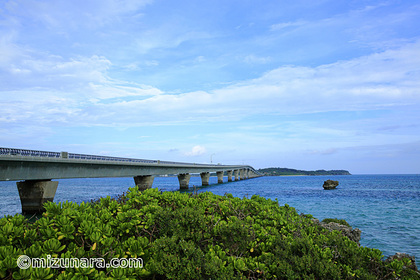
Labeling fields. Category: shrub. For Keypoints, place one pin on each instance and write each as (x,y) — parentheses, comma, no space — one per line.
(182,236)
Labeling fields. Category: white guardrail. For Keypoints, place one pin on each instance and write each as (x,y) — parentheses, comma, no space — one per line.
(34,153)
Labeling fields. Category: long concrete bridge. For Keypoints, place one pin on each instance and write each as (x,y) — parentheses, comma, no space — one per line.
(35,170)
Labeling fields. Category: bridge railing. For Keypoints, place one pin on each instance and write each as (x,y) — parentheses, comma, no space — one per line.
(31,153)
(106,158)
(34,153)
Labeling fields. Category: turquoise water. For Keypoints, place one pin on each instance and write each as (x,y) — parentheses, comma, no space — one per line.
(385,207)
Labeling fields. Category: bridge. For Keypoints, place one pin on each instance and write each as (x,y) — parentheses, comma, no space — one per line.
(35,171)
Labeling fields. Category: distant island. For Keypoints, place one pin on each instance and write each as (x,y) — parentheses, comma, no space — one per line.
(276,171)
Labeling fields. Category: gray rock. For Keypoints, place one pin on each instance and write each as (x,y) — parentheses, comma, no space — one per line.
(330,185)
(349,232)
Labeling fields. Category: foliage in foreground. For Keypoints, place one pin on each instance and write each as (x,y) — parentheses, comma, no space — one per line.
(185,236)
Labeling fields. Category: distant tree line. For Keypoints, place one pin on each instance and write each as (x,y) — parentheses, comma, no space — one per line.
(276,171)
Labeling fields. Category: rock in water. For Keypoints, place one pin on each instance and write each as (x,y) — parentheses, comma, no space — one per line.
(330,185)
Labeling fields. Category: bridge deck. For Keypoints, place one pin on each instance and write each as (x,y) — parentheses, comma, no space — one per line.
(19,164)
(38,168)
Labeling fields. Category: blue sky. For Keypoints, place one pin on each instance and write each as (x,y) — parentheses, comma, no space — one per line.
(299,84)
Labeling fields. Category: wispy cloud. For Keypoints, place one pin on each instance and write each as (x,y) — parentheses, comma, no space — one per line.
(75,14)
(283,25)
(257,59)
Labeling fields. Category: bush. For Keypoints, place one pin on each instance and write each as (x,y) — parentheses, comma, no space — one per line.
(182,236)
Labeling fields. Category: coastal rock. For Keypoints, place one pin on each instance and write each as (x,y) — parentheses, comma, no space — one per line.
(349,232)
(330,185)
(399,256)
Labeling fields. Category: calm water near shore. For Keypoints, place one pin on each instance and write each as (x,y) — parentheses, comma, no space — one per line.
(385,207)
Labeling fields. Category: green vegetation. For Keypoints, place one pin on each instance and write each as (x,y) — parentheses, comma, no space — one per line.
(276,171)
(188,236)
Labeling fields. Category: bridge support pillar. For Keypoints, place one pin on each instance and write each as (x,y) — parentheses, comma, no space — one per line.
(34,193)
(241,174)
(246,174)
(144,182)
(205,177)
(219,177)
(184,180)
(229,174)
(236,174)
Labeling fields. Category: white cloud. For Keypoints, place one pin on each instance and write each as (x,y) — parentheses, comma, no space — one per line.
(111,90)
(196,151)
(367,83)
(79,92)
(30,69)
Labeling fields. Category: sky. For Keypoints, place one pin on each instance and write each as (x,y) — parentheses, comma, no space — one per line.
(321,84)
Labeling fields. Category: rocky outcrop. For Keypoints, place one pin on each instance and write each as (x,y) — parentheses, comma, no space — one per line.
(355,234)
(400,256)
(330,185)
(349,232)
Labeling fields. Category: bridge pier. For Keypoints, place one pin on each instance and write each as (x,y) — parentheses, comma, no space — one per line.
(219,177)
(184,180)
(205,177)
(144,182)
(236,174)
(241,174)
(251,174)
(229,174)
(34,193)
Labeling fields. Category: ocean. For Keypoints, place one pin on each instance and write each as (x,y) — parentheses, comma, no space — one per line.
(386,208)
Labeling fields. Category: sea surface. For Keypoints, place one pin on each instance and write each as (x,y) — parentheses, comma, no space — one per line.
(386,208)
